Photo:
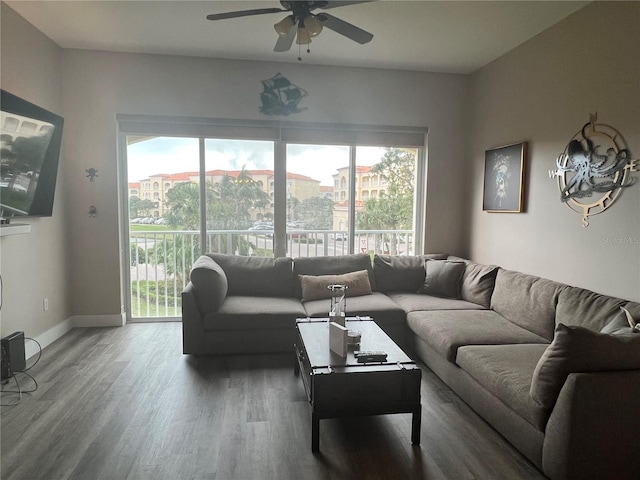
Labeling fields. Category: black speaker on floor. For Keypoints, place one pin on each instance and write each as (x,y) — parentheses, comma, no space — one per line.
(13,357)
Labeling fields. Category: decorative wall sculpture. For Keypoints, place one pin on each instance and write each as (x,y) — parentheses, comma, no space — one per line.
(281,97)
(596,162)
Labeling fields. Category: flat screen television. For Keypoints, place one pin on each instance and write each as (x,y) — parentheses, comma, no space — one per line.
(30,140)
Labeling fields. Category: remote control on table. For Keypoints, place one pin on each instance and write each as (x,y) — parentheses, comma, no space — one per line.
(370,356)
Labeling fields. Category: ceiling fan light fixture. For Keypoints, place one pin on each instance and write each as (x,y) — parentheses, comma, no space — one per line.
(284,26)
(313,25)
(304,37)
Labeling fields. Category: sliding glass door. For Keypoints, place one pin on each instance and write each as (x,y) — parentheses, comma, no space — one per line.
(188,193)
(163,220)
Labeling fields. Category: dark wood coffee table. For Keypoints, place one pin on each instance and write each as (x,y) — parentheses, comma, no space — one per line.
(342,387)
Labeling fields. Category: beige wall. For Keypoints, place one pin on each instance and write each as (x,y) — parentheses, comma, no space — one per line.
(34,265)
(543,92)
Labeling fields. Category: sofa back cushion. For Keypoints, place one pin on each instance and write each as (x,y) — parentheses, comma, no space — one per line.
(257,276)
(584,308)
(527,301)
(400,273)
(634,310)
(210,284)
(331,266)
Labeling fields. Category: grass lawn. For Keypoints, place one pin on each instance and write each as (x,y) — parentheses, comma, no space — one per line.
(143,309)
(134,227)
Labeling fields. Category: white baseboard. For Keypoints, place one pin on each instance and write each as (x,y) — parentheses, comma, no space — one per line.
(116,320)
(47,338)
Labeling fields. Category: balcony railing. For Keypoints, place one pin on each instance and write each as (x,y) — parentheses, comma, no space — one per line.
(161,259)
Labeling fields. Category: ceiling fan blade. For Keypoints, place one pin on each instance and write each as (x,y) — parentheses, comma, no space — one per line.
(344,28)
(243,13)
(284,42)
(327,5)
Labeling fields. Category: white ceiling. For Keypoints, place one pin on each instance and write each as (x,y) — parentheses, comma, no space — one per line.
(436,36)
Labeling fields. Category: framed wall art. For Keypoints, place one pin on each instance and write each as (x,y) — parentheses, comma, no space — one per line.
(504,169)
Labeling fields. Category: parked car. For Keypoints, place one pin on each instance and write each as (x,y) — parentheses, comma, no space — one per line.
(296,235)
(341,236)
(16,186)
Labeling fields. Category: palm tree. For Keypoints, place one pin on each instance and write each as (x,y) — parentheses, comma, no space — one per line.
(183,204)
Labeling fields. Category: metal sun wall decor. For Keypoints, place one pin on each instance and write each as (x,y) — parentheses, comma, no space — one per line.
(281,97)
(595,161)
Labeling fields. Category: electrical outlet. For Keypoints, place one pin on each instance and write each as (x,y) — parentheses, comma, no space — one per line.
(45,304)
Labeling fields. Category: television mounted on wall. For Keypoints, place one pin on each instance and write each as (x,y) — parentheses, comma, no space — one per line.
(30,141)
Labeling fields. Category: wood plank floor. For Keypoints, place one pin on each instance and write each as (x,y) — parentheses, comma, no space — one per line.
(124,403)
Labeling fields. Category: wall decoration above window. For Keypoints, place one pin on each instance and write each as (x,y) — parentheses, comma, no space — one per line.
(504,178)
(595,163)
(281,97)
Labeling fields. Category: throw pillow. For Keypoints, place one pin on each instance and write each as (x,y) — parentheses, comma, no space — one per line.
(315,287)
(621,323)
(442,278)
(577,349)
(478,283)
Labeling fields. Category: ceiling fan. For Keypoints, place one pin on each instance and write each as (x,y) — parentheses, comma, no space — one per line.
(302,24)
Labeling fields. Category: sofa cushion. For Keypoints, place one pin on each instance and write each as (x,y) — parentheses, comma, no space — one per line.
(584,308)
(401,273)
(209,282)
(478,282)
(446,330)
(330,266)
(257,276)
(377,305)
(527,301)
(317,287)
(634,309)
(621,324)
(410,302)
(506,371)
(443,278)
(578,349)
(255,313)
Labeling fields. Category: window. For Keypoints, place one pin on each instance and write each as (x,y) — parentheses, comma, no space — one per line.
(10,124)
(28,127)
(322,196)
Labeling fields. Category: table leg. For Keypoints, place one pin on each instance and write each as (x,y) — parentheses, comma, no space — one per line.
(415,425)
(315,432)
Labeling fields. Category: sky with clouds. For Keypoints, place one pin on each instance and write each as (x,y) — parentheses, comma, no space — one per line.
(174,155)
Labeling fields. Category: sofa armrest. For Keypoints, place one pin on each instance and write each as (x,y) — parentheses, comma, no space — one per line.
(192,323)
(210,284)
(594,428)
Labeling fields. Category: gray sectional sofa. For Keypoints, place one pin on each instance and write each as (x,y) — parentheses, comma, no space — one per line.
(526,353)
